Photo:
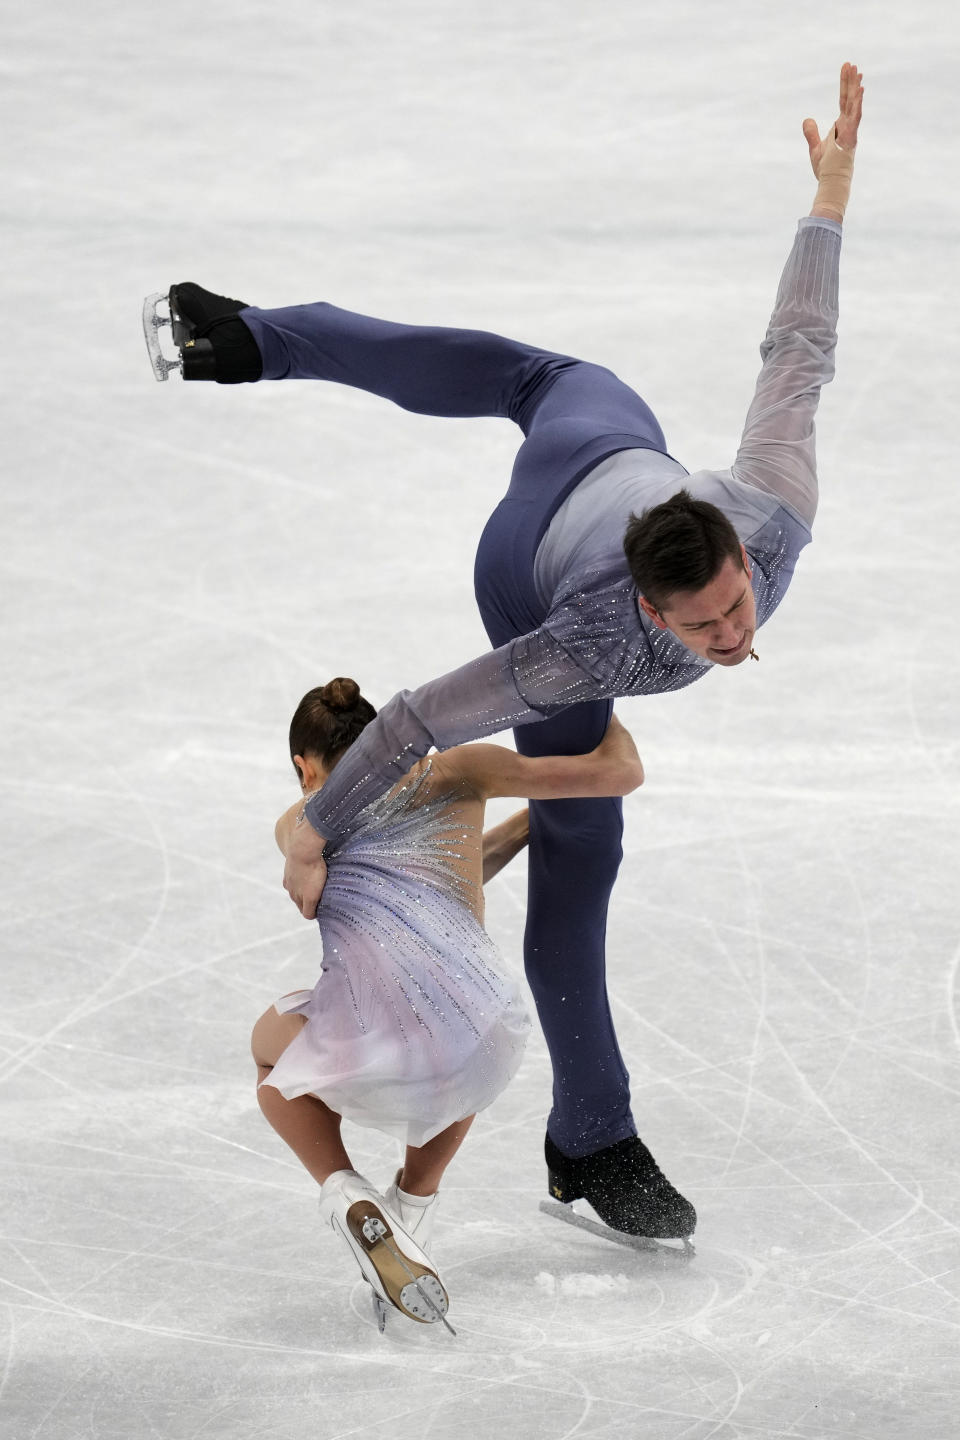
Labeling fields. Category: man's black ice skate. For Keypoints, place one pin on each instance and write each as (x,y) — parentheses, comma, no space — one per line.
(213,343)
(626,1188)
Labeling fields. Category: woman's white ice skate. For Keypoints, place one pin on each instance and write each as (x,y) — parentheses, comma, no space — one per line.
(416,1213)
(400,1273)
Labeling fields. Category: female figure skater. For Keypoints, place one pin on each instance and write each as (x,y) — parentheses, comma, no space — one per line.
(411,1027)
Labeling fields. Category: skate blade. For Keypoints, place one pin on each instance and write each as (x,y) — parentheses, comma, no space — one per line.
(380,1308)
(152,324)
(681,1252)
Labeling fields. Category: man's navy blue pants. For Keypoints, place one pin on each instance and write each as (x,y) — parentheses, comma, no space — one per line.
(572,414)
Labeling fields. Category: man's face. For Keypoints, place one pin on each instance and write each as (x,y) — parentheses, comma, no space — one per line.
(717,622)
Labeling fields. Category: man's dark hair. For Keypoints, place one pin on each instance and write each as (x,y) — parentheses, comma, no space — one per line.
(678,545)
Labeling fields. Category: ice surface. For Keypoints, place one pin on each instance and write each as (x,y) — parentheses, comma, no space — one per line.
(622,181)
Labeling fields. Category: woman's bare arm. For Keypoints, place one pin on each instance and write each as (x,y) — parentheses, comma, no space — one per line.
(503,842)
(613,768)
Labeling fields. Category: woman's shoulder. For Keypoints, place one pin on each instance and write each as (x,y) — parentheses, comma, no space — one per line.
(414,777)
(435,779)
(443,775)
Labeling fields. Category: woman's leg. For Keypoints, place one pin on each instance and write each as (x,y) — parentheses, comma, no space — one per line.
(309,1127)
(394,1264)
(423,1165)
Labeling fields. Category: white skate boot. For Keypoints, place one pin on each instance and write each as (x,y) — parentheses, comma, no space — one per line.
(416,1213)
(398,1270)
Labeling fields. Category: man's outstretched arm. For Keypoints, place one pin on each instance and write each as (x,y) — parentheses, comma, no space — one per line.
(523,682)
(777,452)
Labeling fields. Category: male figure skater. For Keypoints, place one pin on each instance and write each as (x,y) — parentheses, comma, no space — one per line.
(606,570)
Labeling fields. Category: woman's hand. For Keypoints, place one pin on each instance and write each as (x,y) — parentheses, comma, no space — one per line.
(305,872)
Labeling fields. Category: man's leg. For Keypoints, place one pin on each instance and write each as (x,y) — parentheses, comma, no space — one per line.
(575,853)
(431,370)
(592,1149)
(584,414)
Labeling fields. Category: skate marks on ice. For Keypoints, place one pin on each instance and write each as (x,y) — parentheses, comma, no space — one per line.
(658,1254)
(571,1295)
(485,1323)
(519,1361)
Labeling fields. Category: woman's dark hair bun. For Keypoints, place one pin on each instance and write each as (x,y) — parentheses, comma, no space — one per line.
(328,720)
(340,694)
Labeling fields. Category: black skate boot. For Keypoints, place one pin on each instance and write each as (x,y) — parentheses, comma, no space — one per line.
(214,344)
(625,1186)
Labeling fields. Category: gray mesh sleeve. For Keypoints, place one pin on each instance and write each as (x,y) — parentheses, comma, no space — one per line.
(778,450)
(522,682)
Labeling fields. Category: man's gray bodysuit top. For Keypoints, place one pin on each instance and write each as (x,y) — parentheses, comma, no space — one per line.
(595,642)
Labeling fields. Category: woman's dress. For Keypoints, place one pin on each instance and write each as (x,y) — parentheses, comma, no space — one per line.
(412,1024)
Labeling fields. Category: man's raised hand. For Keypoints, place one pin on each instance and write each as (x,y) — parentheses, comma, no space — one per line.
(832,155)
(847,123)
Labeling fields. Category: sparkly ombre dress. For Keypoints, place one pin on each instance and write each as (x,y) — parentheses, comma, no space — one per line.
(412,1024)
